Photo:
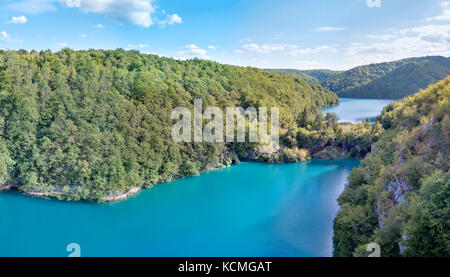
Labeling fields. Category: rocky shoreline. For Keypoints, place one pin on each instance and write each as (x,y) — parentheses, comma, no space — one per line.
(114,197)
(8,187)
(282,156)
(123,196)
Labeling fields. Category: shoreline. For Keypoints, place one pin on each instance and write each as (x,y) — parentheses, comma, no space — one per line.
(325,153)
(9,187)
(118,197)
(114,197)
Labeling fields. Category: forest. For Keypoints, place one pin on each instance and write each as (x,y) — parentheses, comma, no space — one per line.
(316,76)
(389,80)
(399,196)
(85,125)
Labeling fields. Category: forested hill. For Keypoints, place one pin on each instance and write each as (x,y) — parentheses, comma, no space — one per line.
(400,195)
(312,76)
(88,124)
(391,80)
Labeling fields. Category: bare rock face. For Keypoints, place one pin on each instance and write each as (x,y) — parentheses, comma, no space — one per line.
(121,196)
(395,194)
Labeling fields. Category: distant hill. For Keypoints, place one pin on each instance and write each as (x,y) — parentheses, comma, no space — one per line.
(311,76)
(389,80)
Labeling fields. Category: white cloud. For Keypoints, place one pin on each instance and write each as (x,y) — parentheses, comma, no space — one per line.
(99,26)
(192,51)
(6,37)
(212,47)
(238,51)
(73,3)
(309,51)
(267,48)
(304,65)
(18,20)
(170,20)
(191,46)
(425,40)
(329,29)
(444,16)
(174,18)
(290,49)
(373,3)
(33,6)
(82,35)
(439,32)
(305,51)
(137,12)
(326,48)
(380,37)
(139,46)
(412,42)
(61,45)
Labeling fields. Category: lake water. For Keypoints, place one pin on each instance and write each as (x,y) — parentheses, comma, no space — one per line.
(356,110)
(250,209)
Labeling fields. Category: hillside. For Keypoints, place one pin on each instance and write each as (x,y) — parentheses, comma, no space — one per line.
(389,80)
(311,76)
(95,124)
(400,195)
(393,80)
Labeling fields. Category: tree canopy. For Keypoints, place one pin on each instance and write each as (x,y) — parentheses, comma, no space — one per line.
(392,80)
(389,80)
(85,124)
(400,195)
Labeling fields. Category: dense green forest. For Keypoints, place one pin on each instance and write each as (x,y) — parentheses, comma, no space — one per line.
(393,80)
(317,76)
(390,80)
(88,124)
(400,195)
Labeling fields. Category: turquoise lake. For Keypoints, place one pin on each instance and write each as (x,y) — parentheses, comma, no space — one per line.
(357,110)
(251,209)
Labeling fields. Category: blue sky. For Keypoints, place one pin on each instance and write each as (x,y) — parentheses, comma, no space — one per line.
(301,34)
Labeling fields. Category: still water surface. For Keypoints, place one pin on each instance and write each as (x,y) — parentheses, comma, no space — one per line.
(356,110)
(250,209)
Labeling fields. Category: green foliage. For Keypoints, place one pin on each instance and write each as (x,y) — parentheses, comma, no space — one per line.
(331,118)
(393,80)
(428,229)
(404,182)
(353,226)
(90,124)
(388,237)
(5,163)
(317,76)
